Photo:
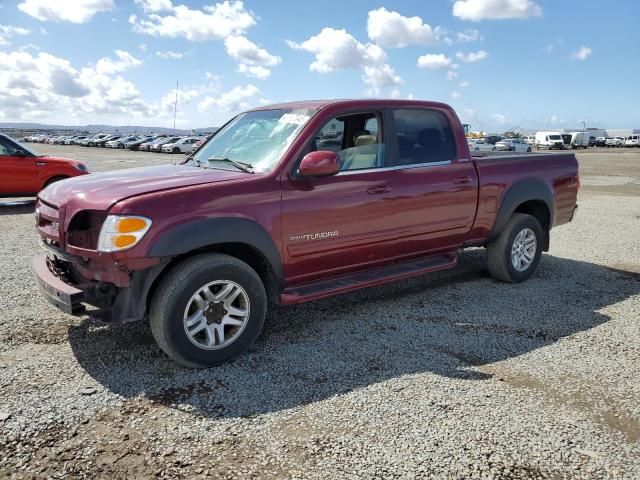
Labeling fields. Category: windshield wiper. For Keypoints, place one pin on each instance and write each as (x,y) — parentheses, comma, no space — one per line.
(245,167)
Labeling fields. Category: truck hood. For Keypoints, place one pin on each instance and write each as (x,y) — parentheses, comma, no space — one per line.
(99,191)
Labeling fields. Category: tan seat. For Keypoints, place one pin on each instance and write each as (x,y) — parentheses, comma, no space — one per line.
(363,155)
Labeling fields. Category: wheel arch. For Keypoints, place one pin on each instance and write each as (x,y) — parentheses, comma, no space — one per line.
(533,197)
(241,238)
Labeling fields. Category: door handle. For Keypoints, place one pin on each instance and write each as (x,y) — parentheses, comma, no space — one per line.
(380,189)
(461,180)
(40,164)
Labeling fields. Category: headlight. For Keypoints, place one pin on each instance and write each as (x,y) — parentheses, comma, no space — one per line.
(120,232)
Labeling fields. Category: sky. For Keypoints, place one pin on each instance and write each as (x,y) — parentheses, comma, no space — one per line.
(499,63)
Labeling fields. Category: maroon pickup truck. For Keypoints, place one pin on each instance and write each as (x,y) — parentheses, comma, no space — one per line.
(290,203)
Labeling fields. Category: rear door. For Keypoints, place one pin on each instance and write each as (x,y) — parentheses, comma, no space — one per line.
(338,224)
(435,189)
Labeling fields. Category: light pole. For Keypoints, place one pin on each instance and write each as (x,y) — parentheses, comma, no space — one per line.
(584,127)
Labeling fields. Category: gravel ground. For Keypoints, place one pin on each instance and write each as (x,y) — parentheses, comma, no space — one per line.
(450,375)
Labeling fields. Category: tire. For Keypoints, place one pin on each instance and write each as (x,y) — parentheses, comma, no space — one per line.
(120,145)
(175,150)
(175,300)
(53,180)
(529,150)
(499,259)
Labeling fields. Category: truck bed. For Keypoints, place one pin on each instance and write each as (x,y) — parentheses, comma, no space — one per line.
(506,174)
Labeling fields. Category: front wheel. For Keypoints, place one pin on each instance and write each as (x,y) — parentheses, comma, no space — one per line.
(176,150)
(515,254)
(529,150)
(208,310)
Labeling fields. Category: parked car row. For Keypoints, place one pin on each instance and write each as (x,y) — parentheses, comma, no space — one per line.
(148,143)
(552,141)
(496,143)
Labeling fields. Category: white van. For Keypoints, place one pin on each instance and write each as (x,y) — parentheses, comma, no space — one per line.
(549,140)
(579,140)
(632,141)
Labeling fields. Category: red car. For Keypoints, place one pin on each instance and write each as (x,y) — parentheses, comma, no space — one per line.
(23,172)
(290,203)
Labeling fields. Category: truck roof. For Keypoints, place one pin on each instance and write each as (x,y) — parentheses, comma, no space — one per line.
(353,103)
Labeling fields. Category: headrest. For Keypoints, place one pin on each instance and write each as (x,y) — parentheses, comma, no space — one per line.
(365,140)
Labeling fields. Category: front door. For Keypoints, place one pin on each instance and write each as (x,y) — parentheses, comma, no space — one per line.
(335,225)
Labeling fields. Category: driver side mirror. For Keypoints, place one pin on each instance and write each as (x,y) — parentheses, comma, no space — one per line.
(19,153)
(323,163)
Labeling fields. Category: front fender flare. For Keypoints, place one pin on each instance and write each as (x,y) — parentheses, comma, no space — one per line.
(197,234)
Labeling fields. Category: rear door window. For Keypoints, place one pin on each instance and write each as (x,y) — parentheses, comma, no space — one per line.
(423,136)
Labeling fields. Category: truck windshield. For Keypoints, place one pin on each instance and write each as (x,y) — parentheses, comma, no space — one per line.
(256,139)
(555,137)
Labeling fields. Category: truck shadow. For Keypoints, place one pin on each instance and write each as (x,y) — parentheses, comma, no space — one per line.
(450,324)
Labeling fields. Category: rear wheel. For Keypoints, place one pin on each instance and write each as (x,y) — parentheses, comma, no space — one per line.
(529,150)
(208,310)
(515,254)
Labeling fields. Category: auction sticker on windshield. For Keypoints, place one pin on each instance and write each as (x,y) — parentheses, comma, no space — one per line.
(295,118)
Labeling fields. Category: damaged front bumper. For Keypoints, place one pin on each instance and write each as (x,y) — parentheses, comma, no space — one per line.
(112,304)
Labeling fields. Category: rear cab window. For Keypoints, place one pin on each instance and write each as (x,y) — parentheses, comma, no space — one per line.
(423,136)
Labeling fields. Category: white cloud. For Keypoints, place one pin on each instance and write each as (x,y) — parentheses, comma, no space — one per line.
(378,76)
(472,56)
(254,71)
(476,10)
(468,36)
(233,100)
(8,31)
(212,22)
(154,6)
(169,55)
(45,87)
(464,84)
(124,61)
(455,94)
(434,61)
(582,53)
(451,75)
(253,59)
(395,93)
(142,47)
(245,51)
(389,29)
(75,11)
(185,96)
(498,119)
(339,50)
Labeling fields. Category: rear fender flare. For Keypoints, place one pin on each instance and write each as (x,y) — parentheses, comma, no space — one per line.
(207,232)
(516,195)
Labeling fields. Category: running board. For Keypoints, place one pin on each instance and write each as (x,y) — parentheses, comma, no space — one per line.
(368,278)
